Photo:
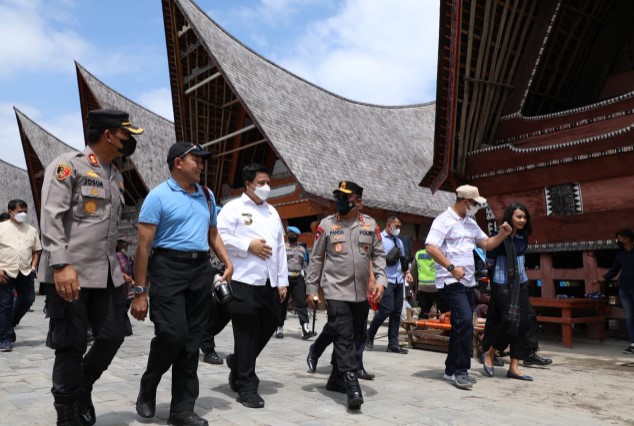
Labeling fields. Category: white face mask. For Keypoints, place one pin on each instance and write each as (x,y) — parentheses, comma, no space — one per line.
(472,210)
(262,192)
(20,217)
(396,231)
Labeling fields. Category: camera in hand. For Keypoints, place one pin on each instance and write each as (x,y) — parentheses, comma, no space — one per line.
(222,289)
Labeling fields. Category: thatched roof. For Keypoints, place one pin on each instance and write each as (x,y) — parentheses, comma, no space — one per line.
(14,182)
(153,144)
(324,138)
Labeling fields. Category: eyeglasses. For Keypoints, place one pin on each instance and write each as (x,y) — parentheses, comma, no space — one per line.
(187,152)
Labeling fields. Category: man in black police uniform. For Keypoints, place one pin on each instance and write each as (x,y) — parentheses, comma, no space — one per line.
(82,199)
(352,242)
(177,222)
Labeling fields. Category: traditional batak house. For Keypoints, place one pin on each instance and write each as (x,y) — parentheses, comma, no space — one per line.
(244,108)
(14,182)
(535,103)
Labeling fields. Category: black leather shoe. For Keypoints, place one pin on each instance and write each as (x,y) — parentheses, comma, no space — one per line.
(335,383)
(186,418)
(353,390)
(67,414)
(232,379)
(311,359)
(212,358)
(86,409)
(396,349)
(250,399)
(369,345)
(362,374)
(534,359)
(518,377)
(145,408)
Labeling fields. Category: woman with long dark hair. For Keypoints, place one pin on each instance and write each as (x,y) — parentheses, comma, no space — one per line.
(508,323)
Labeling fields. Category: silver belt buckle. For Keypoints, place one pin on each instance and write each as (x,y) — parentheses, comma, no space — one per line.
(195,255)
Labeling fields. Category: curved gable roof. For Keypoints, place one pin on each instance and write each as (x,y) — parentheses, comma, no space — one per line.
(14,182)
(324,138)
(149,158)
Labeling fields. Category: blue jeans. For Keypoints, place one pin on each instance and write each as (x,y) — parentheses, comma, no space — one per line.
(391,306)
(627,301)
(460,301)
(13,309)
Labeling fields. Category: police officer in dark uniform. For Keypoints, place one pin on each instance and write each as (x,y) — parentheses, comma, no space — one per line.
(82,199)
(351,241)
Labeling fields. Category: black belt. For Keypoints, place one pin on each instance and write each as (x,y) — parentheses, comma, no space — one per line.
(182,256)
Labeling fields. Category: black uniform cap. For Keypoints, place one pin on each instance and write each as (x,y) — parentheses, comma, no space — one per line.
(105,118)
(179,149)
(348,187)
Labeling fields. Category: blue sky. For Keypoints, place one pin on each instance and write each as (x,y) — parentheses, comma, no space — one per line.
(378,51)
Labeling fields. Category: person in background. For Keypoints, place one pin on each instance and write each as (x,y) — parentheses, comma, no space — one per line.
(624,263)
(19,255)
(392,301)
(297,261)
(423,271)
(127,268)
(4,216)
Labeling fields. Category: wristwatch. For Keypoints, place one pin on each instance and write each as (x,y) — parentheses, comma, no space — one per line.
(450,268)
(139,289)
(59,265)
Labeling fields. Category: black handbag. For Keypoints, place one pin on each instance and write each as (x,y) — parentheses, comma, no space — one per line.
(393,256)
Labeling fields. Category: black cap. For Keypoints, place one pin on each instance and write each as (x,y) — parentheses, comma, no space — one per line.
(179,149)
(104,118)
(347,187)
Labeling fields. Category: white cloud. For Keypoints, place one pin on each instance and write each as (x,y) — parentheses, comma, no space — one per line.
(66,127)
(375,51)
(158,101)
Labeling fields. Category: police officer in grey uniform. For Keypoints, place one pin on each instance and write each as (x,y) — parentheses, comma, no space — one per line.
(296,257)
(82,200)
(350,241)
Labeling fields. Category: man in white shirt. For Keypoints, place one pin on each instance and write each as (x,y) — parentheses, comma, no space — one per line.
(254,237)
(19,255)
(450,242)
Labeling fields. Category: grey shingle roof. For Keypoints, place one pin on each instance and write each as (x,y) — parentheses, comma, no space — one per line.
(324,138)
(153,144)
(46,146)
(14,182)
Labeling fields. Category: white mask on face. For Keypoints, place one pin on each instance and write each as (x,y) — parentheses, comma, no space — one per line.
(396,231)
(472,210)
(20,217)
(262,192)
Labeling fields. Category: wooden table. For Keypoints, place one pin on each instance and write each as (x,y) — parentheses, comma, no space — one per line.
(596,318)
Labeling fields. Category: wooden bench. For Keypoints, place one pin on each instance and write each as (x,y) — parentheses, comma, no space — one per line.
(568,307)
(428,333)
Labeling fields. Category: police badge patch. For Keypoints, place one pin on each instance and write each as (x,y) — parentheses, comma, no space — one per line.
(92,159)
(63,171)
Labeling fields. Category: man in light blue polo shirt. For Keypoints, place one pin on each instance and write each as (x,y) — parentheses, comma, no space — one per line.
(177,222)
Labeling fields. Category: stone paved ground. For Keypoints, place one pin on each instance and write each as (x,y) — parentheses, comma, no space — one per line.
(592,383)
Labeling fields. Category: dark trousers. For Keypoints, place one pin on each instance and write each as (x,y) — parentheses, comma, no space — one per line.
(347,320)
(390,307)
(179,309)
(327,336)
(104,310)
(297,289)
(460,301)
(219,317)
(426,301)
(531,344)
(496,330)
(255,313)
(13,309)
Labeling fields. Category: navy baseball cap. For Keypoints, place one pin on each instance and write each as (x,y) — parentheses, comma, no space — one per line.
(180,149)
(348,187)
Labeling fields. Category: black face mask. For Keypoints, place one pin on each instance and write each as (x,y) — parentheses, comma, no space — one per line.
(621,245)
(342,205)
(292,238)
(129,146)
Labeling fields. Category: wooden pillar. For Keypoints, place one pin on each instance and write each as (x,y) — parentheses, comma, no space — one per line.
(546,267)
(590,272)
